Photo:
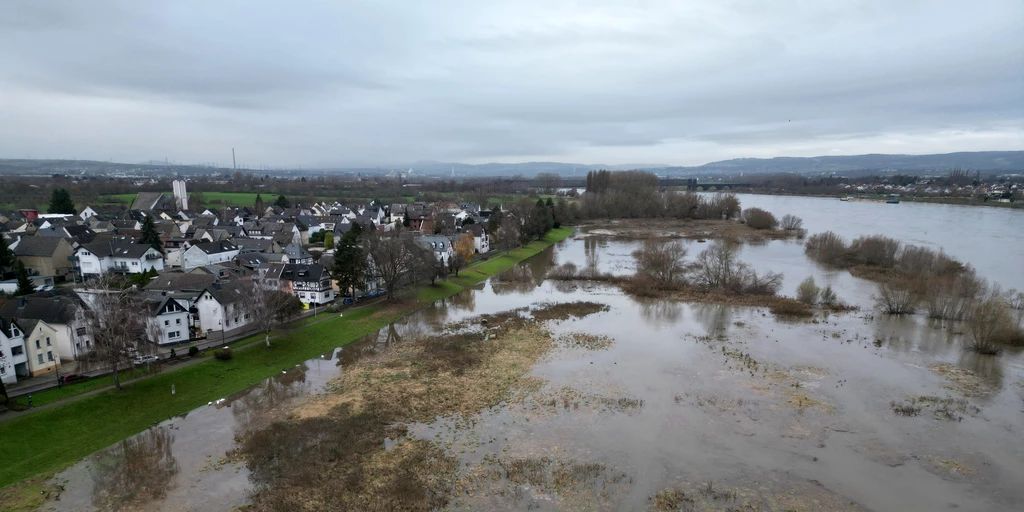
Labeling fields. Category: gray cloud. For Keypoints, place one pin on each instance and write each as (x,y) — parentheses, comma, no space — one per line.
(378,83)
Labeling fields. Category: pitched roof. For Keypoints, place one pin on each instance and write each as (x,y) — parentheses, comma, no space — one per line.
(218,247)
(37,246)
(302,272)
(117,248)
(147,200)
(181,281)
(52,309)
(232,291)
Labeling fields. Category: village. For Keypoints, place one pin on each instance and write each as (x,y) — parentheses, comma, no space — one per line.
(195,276)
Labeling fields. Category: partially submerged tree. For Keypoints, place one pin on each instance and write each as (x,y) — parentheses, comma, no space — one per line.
(808,291)
(664,263)
(988,318)
(118,323)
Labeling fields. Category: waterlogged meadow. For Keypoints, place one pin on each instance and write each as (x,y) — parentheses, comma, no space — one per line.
(538,393)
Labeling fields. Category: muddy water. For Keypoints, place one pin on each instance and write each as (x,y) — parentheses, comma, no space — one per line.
(686,394)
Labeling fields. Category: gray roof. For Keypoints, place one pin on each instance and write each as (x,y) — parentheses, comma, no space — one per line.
(117,248)
(55,309)
(302,272)
(181,281)
(231,291)
(37,246)
(217,247)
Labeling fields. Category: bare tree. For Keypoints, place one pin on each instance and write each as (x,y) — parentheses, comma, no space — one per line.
(270,307)
(394,259)
(118,322)
(662,262)
(989,318)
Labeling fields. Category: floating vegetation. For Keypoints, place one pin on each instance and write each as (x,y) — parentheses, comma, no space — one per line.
(567,310)
(962,381)
(586,341)
(948,408)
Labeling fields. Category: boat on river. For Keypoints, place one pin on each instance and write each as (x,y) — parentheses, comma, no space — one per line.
(893,199)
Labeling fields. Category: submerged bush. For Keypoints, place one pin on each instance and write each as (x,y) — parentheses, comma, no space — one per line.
(874,250)
(717,268)
(828,248)
(807,292)
(897,298)
(759,219)
(662,262)
(791,222)
(828,296)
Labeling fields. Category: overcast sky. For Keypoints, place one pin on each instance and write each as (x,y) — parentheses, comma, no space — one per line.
(384,83)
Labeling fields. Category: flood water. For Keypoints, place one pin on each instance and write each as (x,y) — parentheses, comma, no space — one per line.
(686,394)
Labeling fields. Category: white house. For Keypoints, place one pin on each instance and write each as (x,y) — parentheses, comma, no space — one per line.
(208,253)
(168,321)
(65,314)
(41,347)
(310,283)
(13,358)
(439,245)
(222,306)
(87,213)
(122,256)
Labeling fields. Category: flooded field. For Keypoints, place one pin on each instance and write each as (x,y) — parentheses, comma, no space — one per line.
(534,394)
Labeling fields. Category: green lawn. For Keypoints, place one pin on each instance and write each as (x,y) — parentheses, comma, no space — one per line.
(213,199)
(51,439)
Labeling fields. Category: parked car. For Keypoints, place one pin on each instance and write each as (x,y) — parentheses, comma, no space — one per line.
(146,359)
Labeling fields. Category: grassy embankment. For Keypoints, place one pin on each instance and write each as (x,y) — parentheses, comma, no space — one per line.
(52,439)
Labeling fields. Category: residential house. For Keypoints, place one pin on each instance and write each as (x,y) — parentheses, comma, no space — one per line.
(208,253)
(481,242)
(41,346)
(310,283)
(65,314)
(294,253)
(439,245)
(168,320)
(223,306)
(45,255)
(117,255)
(13,358)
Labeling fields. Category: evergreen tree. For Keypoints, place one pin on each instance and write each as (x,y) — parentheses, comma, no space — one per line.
(6,256)
(282,202)
(150,236)
(350,260)
(259,206)
(60,202)
(25,286)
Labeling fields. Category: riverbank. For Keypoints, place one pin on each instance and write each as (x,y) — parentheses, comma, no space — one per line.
(962,201)
(51,439)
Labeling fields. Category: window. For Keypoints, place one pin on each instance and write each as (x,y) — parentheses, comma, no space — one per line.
(135,263)
(48,344)
(177,321)
(37,344)
(49,355)
(167,322)
(17,351)
(40,357)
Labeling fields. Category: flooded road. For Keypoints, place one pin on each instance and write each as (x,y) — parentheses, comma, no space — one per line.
(653,404)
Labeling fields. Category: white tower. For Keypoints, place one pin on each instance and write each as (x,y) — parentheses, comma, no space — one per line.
(180,194)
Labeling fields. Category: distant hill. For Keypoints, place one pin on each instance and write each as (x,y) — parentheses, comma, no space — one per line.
(984,161)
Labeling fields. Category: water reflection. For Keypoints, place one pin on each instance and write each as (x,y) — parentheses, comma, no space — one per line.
(136,471)
(660,312)
(715,318)
(257,406)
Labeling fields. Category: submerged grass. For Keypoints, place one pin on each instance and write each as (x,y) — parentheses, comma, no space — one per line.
(331,452)
(53,438)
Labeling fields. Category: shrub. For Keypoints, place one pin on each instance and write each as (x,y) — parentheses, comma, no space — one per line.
(790,308)
(875,250)
(807,292)
(662,262)
(827,247)
(791,222)
(193,351)
(828,296)
(949,297)
(897,298)
(759,219)
(717,268)
(223,354)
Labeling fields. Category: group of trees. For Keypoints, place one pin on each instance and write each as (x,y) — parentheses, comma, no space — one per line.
(717,268)
(912,277)
(8,262)
(635,194)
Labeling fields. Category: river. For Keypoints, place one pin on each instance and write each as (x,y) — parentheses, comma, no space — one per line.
(788,414)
